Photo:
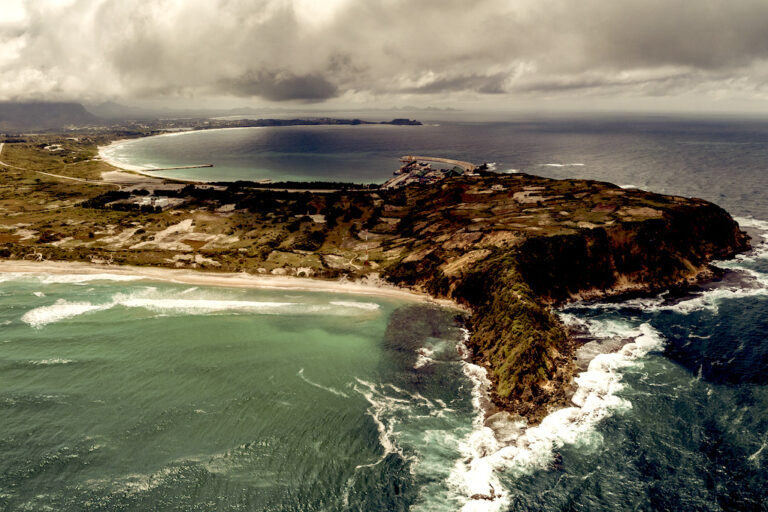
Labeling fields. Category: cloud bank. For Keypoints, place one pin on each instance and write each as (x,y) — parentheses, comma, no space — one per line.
(359,51)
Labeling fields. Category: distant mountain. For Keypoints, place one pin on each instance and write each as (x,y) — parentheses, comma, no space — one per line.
(116,111)
(40,116)
(119,112)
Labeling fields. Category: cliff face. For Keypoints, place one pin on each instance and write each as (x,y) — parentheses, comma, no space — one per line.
(633,256)
(516,335)
(521,255)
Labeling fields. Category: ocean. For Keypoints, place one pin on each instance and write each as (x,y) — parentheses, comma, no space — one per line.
(123,394)
(135,395)
(723,161)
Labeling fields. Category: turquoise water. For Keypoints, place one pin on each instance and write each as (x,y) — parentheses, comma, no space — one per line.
(135,395)
(129,395)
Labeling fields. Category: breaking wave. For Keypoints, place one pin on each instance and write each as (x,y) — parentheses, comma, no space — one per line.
(49,362)
(60,310)
(167,304)
(65,278)
(423,357)
(368,306)
(512,447)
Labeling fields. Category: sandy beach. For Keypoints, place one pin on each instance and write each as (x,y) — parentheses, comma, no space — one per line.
(104,155)
(370,287)
(134,169)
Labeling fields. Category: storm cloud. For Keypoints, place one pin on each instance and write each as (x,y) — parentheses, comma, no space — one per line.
(362,51)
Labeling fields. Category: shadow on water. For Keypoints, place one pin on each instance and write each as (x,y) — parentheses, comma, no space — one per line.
(420,339)
(727,346)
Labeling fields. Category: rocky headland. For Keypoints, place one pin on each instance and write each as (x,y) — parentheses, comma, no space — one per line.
(509,247)
(513,247)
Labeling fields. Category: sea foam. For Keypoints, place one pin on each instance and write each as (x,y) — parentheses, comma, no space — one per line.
(50,362)
(76,279)
(334,391)
(168,303)
(368,306)
(60,310)
(597,395)
(475,477)
(380,408)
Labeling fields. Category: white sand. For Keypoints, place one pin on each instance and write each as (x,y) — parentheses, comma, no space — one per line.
(135,169)
(120,165)
(242,280)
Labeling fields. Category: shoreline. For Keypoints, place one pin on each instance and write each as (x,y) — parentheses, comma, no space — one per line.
(372,287)
(143,170)
(137,169)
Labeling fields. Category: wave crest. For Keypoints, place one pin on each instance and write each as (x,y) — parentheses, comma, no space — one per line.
(168,303)
(60,310)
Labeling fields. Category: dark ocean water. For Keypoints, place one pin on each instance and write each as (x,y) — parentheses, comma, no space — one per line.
(722,161)
(676,420)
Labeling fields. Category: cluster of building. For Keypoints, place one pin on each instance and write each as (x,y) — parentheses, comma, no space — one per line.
(417,169)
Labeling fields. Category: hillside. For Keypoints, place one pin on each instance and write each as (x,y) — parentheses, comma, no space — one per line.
(42,116)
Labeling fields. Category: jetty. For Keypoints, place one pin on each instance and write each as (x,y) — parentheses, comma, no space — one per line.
(467,166)
(178,168)
(418,169)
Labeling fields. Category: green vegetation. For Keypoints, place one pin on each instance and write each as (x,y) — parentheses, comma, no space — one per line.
(516,337)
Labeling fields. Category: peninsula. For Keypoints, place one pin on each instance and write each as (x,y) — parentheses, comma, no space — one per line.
(509,247)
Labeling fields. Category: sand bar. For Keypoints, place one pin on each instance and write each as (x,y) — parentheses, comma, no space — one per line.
(370,287)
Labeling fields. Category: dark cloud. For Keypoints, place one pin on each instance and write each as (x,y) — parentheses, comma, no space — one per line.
(390,50)
(280,86)
(607,80)
(706,34)
(483,84)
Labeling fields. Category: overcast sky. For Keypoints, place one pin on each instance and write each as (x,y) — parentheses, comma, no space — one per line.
(486,54)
